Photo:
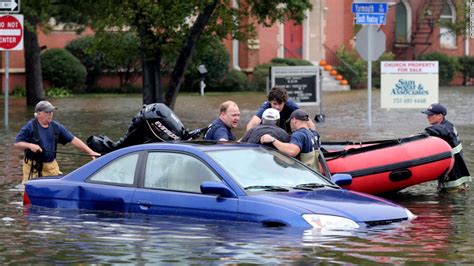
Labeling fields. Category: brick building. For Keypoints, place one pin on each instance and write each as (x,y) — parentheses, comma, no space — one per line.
(411,29)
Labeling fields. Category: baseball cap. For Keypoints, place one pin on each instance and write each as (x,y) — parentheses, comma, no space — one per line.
(299,114)
(271,114)
(44,106)
(436,108)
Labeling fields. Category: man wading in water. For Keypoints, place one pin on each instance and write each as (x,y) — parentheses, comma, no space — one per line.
(39,139)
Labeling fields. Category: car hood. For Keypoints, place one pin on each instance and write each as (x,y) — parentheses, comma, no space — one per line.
(356,206)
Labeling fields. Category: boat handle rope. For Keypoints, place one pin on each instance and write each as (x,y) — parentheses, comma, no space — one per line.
(376,145)
(69,153)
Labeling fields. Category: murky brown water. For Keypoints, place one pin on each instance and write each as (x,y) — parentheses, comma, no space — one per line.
(443,232)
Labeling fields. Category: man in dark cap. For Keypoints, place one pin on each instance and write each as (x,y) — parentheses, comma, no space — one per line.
(304,142)
(459,176)
(39,139)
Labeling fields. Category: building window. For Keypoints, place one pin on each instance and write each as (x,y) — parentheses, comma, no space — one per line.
(447,38)
(401,23)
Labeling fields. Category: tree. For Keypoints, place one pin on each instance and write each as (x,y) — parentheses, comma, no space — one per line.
(168,28)
(36,13)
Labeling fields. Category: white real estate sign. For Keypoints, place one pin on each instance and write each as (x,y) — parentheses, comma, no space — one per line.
(408,84)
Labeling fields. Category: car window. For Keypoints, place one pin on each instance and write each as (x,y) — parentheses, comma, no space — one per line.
(176,171)
(264,167)
(119,171)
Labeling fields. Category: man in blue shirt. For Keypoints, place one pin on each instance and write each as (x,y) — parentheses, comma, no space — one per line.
(220,128)
(39,139)
(304,142)
(277,99)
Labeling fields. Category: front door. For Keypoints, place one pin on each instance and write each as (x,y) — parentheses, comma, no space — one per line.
(293,40)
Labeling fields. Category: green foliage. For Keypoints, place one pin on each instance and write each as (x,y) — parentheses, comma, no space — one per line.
(57,92)
(83,49)
(261,73)
(466,67)
(355,71)
(376,68)
(121,52)
(215,57)
(291,62)
(448,66)
(62,69)
(19,91)
(235,80)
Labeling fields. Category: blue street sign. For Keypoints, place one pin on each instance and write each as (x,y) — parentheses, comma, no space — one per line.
(369,8)
(370,19)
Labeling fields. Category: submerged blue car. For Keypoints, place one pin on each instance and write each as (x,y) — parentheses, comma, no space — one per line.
(229,181)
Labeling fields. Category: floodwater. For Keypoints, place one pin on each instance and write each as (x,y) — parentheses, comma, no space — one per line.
(443,232)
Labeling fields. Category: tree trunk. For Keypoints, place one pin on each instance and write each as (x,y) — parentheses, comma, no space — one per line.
(33,75)
(151,71)
(177,76)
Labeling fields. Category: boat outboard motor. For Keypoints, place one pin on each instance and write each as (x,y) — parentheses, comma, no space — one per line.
(154,123)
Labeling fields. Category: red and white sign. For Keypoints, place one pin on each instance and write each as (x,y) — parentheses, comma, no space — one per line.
(11,32)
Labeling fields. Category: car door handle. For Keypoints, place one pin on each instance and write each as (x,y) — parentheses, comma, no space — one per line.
(144,204)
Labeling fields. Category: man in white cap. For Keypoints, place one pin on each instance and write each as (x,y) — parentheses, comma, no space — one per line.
(270,118)
(39,139)
(440,127)
(304,142)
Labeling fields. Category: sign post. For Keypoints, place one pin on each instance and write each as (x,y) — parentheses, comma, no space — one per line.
(11,38)
(370,41)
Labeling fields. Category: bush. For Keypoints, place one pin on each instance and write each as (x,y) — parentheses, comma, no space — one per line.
(466,68)
(291,62)
(57,92)
(94,61)
(235,80)
(211,53)
(376,68)
(62,69)
(448,66)
(19,91)
(121,52)
(354,62)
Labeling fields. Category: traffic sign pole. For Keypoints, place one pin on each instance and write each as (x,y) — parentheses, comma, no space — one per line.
(7,63)
(369,80)
(11,38)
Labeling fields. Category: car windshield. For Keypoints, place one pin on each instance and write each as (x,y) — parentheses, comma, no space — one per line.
(264,167)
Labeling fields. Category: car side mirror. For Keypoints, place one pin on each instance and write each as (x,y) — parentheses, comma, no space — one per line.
(341,179)
(216,188)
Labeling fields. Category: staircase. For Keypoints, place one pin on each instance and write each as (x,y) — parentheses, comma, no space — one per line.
(330,83)
(427,15)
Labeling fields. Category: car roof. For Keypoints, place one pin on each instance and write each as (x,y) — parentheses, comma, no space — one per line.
(201,145)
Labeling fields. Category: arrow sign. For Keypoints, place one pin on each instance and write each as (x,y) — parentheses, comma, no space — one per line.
(9,6)
(369,8)
(11,32)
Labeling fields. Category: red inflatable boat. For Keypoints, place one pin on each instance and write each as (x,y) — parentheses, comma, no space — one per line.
(388,166)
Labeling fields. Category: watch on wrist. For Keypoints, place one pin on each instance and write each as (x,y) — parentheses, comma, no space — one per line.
(273,140)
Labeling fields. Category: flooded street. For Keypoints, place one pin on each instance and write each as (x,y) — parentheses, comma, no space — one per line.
(443,232)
